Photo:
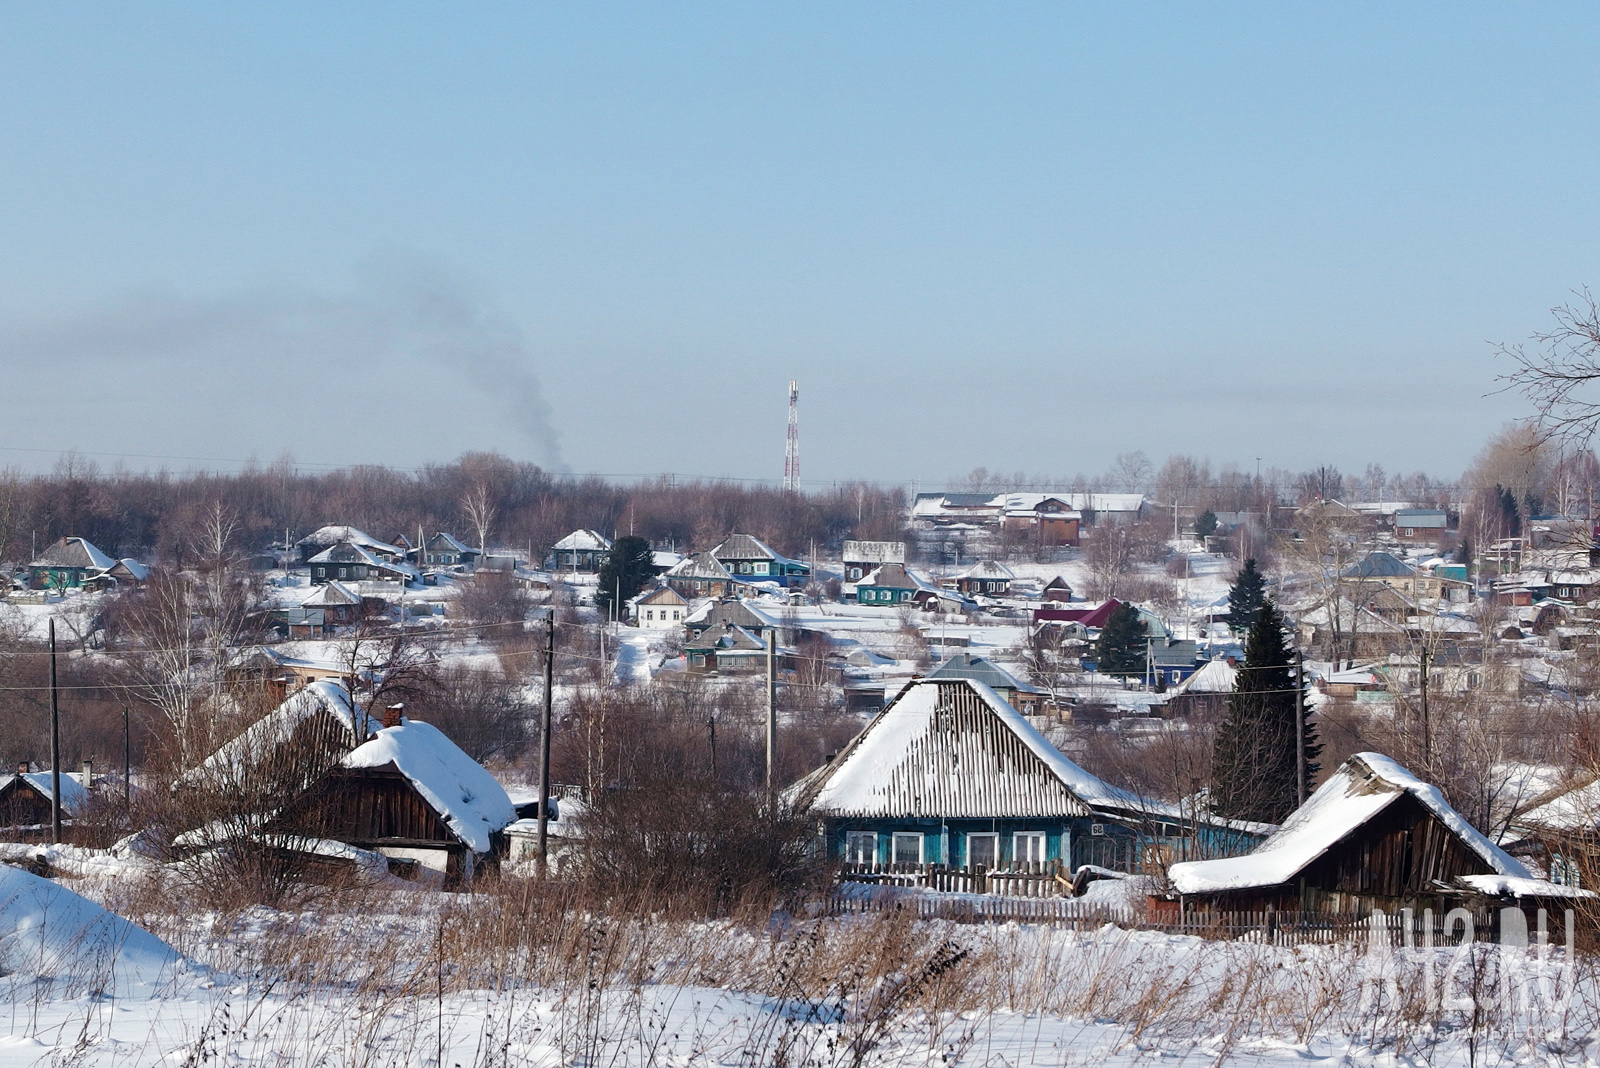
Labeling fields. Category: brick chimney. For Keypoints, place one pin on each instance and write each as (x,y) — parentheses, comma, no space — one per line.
(392,715)
(22,767)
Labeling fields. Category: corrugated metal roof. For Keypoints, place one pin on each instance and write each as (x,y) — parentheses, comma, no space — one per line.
(967,666)
(950,750)
(744,547)
(700,566)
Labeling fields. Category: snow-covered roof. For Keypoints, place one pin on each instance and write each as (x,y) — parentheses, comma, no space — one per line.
(470,800)
(331,594)
(748,547)
(988,569)
(278,727)
(349,552)
(451,542)
(1214,676)
(660,595)
(135,568)
(333,535)
(73,795)
(74,552)
(916,758)
(583,541)
(895,576)
(1573,810)
(1362,787)
(726,637)
(700,566)
(928,505)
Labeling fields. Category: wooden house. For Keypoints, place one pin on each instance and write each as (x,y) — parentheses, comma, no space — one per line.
(1040,518)
(311,731)
(727,649)
(325,538)
(861,558)
(1057,589)
(950,774)
(328,607)
(1373,836)
(1205,692)
(410,794)
(745,614)
(27,799)
(662,608)
(987,578)
(67,565)
(1560,831)
(753,560)
(1378,569)
(446,550)
(1420,525)
(700,575)
(582,551)
(350,561)
(890,584)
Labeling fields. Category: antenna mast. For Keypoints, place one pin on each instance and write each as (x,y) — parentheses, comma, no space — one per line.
(791,452)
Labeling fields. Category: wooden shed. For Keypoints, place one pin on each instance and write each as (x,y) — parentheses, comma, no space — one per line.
(1373,836)
(412,795)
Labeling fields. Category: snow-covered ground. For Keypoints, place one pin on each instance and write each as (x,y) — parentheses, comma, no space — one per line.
(412,979)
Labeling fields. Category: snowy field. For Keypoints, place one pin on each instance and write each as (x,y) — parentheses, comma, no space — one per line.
(515,978)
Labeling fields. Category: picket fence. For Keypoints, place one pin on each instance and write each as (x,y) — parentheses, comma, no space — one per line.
(1037,879)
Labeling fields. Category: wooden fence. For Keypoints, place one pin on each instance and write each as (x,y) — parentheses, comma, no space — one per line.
(1266,928)
(1039,879)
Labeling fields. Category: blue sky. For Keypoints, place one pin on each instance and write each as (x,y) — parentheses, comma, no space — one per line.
(605,236)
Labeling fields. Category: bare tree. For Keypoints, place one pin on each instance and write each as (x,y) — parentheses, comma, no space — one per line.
(1558,373)
(167,662)
(477,505)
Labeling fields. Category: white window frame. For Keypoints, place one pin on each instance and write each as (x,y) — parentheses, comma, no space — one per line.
(894,846)
(853,840)
(994,848)
(1025,843)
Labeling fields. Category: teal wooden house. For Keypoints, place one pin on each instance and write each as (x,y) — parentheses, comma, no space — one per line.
(951,775)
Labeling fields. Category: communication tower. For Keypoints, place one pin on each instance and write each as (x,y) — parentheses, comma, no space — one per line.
(791,452)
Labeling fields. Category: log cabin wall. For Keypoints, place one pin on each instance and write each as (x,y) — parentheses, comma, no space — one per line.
(1400,852)
(23,806)
(365,806)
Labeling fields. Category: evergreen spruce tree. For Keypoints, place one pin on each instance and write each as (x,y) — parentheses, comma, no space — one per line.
(1245,598)
(630,563)
(1253,763)
(1205,524)
(1121,648)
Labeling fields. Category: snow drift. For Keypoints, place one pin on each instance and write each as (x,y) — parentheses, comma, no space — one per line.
(48,934)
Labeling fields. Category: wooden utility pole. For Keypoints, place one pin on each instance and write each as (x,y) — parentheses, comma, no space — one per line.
(127,760)
(1427,740)
(772,716)
(1299,728)
(55,743)
(544,740)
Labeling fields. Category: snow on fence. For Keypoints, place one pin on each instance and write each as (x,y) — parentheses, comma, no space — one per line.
(1266,928)
(1039,879)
